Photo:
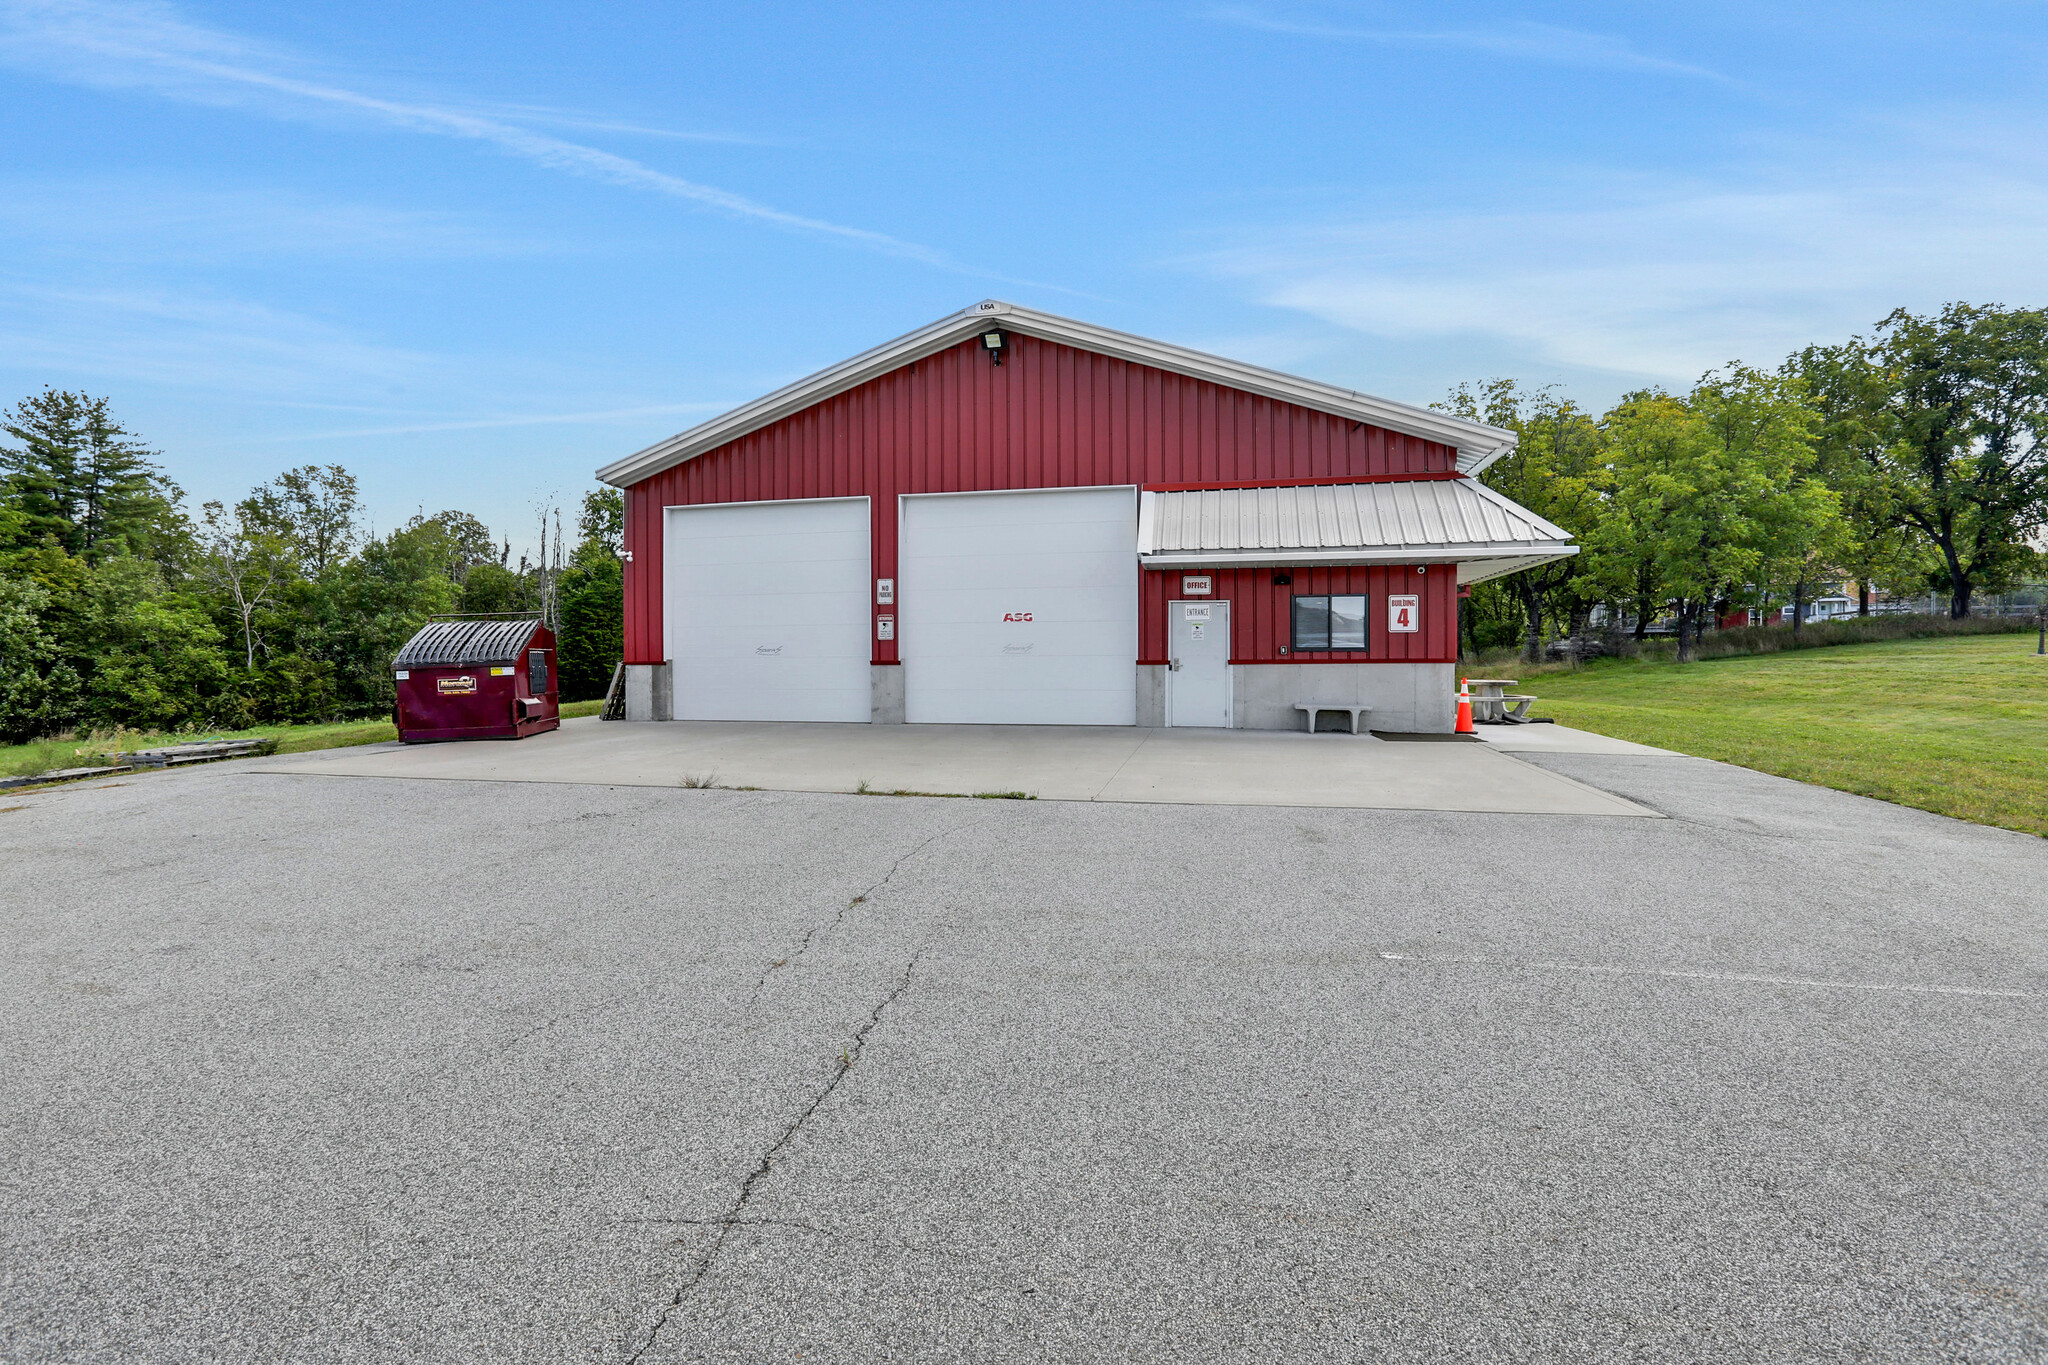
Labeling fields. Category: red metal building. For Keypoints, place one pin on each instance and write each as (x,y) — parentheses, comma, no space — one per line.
(470,679)
(1011,517)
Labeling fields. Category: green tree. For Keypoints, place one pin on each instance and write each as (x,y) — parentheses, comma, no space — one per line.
(78,476)
(1877,546)
(1554,472)
(248,562)
(314,509)
(371,604)
(40,692)
(1952,412)
(603,519)
(495,588)
(1704,490)
(155,657)
(592,636)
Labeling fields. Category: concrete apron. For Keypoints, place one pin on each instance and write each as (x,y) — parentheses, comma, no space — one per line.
(1055,763)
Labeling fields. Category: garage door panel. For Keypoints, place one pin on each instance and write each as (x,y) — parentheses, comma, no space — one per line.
(768,615)
(1067,559)
(981,639)
(816,611)
(1080,573)
(776,639)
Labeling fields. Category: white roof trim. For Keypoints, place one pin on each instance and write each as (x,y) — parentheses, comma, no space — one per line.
(1469,572)
(1478,446)
(1484,559)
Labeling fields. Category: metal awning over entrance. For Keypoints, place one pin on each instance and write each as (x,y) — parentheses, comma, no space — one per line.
(1426,521)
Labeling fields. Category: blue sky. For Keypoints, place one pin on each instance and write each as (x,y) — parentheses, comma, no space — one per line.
(471,251)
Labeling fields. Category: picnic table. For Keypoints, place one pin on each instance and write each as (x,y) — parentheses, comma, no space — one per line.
(1493,704)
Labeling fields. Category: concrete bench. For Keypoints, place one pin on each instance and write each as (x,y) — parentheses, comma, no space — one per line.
(1518,710)
(1310,708)
(1500,708)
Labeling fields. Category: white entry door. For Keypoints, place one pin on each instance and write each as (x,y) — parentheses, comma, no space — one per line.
(1198,682)
(1020,608)
(766,608)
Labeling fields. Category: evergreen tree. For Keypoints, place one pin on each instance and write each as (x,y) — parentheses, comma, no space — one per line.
(77,476)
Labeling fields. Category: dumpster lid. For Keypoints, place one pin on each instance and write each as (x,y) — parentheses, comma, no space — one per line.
(459,644)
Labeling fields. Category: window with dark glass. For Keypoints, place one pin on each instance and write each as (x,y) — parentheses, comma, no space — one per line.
(537,672)
(1324,621)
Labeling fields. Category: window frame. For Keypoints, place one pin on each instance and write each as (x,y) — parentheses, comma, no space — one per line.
(1294,631)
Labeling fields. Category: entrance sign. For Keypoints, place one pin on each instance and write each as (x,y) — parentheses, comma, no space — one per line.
(1404,612)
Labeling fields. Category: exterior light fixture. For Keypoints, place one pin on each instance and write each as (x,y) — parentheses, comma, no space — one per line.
(993,342)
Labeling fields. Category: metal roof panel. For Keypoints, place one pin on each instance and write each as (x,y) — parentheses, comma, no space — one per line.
(1436,515)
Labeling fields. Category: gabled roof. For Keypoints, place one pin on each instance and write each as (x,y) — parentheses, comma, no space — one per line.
(1426,521)
(464,644)
(1478,446)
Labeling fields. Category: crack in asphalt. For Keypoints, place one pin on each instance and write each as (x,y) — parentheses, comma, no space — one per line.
(848,1055)
(804,944)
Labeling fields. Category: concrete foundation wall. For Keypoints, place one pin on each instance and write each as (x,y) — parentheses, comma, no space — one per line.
(1405,698)
(885,694)
(650,692)
(1409,698)
(1151,695)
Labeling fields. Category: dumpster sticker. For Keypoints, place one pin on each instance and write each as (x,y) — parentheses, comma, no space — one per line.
(501,672)
(460,685)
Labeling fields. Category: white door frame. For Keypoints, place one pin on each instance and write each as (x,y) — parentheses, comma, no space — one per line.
(1229,673)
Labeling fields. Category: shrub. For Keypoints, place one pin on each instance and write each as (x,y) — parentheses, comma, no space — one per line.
(292,690)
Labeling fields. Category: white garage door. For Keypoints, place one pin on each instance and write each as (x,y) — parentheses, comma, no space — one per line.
(767,610)
(1020,608)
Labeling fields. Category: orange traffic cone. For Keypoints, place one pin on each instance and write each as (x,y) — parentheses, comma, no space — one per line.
(1465,708)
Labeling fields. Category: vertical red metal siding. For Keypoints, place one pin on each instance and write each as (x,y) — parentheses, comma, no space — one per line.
(1050,416)
(1261,612)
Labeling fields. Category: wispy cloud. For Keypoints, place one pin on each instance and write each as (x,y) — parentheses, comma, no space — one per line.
(196,341)
(592,123)
(111,220)
(1661,280)
(144,45)
(1521,40)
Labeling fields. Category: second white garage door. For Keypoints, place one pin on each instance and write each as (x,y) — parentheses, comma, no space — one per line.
(768,610)
(1020,608)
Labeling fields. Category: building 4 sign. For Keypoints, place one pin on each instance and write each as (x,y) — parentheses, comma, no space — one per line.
(1404,611)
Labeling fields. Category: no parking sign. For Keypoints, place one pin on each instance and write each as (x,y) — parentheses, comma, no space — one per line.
(1404,611)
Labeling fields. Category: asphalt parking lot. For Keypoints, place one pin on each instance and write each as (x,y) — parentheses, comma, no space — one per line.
(316,1068)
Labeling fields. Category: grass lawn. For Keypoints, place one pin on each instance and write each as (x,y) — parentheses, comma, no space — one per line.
(1956,726)
(45,754)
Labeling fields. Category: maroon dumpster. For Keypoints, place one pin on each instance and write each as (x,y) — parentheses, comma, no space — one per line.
(477,679)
